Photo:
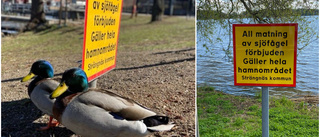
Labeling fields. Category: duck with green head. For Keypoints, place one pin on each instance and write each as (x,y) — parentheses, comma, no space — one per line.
(100,113)
(41,87)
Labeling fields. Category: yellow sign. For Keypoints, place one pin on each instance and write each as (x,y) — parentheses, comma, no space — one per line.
(102,23)
(265,54)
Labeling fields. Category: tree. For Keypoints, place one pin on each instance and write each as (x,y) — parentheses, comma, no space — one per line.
(157,10)
(134,12)
(37,15)
(212,15)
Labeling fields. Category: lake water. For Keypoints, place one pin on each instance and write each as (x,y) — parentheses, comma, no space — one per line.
(11,27)
(216,70)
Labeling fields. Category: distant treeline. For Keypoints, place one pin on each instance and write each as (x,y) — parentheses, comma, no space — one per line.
(207,14)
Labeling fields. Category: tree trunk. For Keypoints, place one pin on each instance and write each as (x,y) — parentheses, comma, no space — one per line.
(157,10)
(134,9)
(37,15)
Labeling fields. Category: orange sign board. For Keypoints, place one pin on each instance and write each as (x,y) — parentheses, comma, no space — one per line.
(101,32)
(265,54)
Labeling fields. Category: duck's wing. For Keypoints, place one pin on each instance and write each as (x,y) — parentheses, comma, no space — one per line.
(96,113)
(90,117)
(125,99)
(115,104)
(40,95)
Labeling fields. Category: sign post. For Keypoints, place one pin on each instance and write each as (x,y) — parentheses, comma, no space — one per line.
(101,32)
(265,55)
(265,111)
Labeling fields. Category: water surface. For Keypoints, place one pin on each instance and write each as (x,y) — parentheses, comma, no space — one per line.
(217,70)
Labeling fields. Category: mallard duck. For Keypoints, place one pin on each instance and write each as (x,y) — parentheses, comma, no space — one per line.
(41,87)
(100,113)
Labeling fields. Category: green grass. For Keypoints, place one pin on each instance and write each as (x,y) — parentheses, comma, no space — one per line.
(231,116)
(55,41)
(135,35)
(170,33)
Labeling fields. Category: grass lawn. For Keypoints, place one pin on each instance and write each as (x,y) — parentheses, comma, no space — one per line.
(221,114)
(135,35)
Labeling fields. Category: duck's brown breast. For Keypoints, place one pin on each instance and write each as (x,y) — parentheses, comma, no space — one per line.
(60,104)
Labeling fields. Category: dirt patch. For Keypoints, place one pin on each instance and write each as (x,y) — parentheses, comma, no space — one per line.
(306,98)
(163,81)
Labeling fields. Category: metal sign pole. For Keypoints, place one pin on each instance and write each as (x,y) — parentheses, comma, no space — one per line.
(265,111)
(197,125)
(93,83)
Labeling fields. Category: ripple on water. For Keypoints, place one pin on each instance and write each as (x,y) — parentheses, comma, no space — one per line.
(214,70)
